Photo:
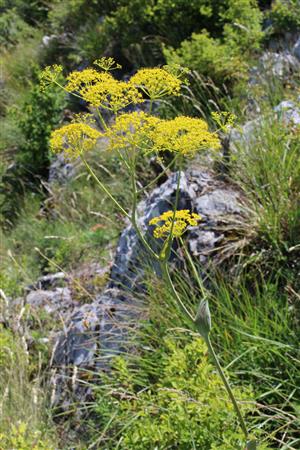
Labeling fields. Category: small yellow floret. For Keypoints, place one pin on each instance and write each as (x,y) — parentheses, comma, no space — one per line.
(156,83)
(183,218)
(74,139)
(131,130)
(185,135)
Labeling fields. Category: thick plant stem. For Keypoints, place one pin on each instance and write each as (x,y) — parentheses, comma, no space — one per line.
(226,384)
(103,187)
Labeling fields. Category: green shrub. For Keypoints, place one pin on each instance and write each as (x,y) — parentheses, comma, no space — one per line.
(226,57)
(209,56)
(36,118)
(284,16)
(185,407)
(12,29)
(40,113)
(134,31)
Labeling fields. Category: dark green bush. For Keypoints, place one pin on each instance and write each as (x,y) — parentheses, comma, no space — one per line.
(134,31)
(38,116)
(285,16)
(36,119)
(12,29)
(223,58)
(33,12)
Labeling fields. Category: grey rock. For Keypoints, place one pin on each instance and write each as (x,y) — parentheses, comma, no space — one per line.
(273,65)
(296,49)
(289,112)
(246,135)
(48,281)
(48,40)
(57,302)
(61,170)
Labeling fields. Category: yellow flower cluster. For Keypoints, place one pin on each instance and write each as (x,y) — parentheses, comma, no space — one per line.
(101,89)
(113,95)
(131,130)
(79,80)
(183,218)
(74,139)
(223,119)
(107,63)
(156,83)
(50,75)
(185,135)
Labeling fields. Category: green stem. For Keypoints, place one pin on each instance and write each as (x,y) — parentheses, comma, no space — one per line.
(101,119)
(194,269)
(133,213)
(143,189)
(166,251)
(227,386)
(150,107)
(168,280)
(103,187)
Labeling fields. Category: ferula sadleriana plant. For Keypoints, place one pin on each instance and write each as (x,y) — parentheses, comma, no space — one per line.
(138,133)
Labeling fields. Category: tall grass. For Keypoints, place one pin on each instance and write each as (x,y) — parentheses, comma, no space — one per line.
(25,421)
(267,168)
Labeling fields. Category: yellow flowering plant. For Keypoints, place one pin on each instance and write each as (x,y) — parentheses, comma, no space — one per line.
(74,139)
(175,222)
(184,135)
(131,132)
(131,135)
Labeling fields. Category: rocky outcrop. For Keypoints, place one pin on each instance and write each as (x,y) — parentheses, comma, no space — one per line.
(296,49)
(287,111)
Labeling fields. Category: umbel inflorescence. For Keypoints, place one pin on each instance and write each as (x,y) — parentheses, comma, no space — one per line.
(136,131)
(173,222)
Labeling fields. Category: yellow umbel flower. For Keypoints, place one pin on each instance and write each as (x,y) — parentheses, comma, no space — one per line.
(111,94)
(156,83)
(185,135)
(102,90)
(223,119)
(107,63)
(131,130)
(74,139)
(50,75)
(77,81)
(183,218)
